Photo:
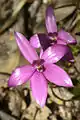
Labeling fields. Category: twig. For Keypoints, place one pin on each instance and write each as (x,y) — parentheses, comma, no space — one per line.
(37,109)
(14,16)
(4,73)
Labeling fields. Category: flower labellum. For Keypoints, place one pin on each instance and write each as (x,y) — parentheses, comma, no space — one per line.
(40,69)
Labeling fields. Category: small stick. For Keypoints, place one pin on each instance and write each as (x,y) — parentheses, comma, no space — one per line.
(13,18)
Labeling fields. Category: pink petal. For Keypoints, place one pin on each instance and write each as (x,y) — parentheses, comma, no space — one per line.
(50,20)
(27,50)
(44,41)
(40,40)
(34,41)
(20,75)
(66,37)
(54,53)
(41,52)
(39,88)
(57,75)
(69,56)
(61,42)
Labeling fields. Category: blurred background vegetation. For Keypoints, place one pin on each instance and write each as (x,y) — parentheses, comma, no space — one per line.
(28,17)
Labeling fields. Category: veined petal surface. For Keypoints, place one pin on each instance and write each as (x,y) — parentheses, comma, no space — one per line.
(39,88)
(66,37)
(20,75)
(54,53)
(50,20)
(27,50)
(34,41)
(57,75)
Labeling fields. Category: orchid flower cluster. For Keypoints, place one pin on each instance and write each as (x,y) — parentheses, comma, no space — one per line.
(53,46)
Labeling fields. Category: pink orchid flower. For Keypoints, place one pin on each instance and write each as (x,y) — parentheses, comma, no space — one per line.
(41,70)
(54,36)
